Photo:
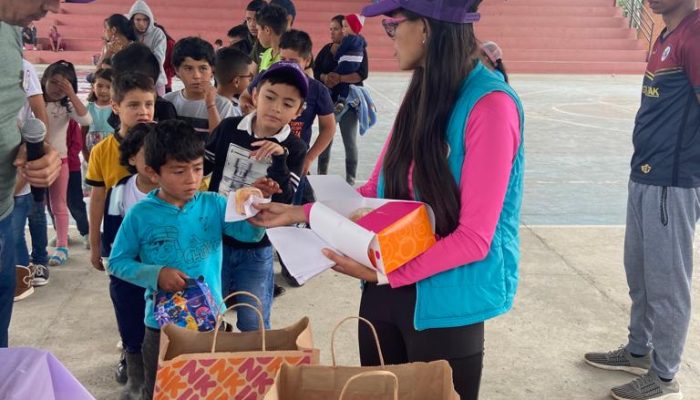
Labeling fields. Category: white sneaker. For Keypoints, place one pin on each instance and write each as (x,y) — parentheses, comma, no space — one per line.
(86,241)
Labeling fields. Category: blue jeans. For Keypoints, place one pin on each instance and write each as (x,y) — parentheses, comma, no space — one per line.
(23,206)
(249,270)
(37,230)
(7,277)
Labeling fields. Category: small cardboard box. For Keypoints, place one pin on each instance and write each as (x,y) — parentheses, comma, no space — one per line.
(391,234)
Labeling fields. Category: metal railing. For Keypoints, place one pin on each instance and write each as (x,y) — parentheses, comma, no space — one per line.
(639,19)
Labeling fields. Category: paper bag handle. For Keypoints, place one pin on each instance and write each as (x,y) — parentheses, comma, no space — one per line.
(243,293)
(368,374)
(374,332)
(220,320)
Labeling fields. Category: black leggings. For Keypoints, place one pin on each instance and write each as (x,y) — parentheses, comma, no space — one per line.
(391,312)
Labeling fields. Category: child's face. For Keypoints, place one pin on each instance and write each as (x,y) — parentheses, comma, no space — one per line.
(102,88)
(294,56)
(265,36)
(137,106)
(251,23)
(179,181)
(141,23)
(138,161)
(54,92)
(346,29)
(242,81)
(277,105)
(195,74)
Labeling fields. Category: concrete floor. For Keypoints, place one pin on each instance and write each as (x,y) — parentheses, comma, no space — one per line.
(572,296)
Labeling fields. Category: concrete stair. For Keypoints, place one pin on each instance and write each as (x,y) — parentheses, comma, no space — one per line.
(537,36)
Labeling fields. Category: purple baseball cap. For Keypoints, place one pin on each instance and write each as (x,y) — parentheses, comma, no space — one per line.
(288,68)
(455,11)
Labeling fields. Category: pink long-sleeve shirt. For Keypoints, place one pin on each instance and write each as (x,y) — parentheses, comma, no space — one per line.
(492,139)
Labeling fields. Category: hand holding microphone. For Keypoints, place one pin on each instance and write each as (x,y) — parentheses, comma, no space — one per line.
(45,161)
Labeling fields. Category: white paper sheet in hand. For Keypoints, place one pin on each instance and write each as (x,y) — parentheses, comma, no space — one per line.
(303,262)
(233,216)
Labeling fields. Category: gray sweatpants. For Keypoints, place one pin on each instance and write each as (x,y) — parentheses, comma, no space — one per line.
(659,265)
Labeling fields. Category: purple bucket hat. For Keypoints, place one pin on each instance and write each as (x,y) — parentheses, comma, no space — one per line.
(455,11)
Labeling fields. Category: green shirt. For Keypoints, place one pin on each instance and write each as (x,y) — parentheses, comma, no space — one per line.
(266,59)
(11,100)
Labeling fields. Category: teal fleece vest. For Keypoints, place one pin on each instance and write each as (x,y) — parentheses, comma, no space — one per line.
(484,289)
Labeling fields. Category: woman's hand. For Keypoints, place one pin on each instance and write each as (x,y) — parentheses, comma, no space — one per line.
(272,215)
(348,266)
(332,79)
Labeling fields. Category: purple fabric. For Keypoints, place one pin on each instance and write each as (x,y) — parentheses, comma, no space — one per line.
(27,373)
(456,11)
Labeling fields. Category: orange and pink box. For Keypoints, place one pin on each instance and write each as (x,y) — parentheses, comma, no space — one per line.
(386,238)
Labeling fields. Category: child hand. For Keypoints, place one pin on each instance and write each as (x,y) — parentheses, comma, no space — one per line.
(171,279)
(268,186)
(96,259)
(209,94)
(265,149)
(66,87)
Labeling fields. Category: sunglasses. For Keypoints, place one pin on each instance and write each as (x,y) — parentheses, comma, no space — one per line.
(390,25)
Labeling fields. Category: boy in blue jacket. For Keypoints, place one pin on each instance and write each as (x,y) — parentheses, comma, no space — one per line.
(175,232)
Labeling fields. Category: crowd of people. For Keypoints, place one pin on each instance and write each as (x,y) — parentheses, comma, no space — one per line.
(159,165)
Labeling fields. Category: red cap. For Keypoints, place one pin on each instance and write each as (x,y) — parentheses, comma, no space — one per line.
(355,22)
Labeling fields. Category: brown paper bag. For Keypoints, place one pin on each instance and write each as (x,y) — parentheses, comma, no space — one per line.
(227,365)
(413,381)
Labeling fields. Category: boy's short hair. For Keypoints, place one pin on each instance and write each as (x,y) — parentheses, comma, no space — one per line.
(230,63)
(298,41)
(219,42)
(287,73)
(132,143)
(238,31)
(126,82)
(136,57)
(195,48)
(274,17)
(288,6)
(255,5)
(172,140)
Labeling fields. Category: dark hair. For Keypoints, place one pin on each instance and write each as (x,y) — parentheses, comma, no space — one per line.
(65,69)
(339,19)
(281,77)
(288,6)
(501,68)
(238,31)
(195,48)
(102,73)
(132,143)
(107,61)
(136,57)
(298,41)
(419,129)
(255,5)
(123,26)
(274,17)
(128,81)
(219,42)
(172,140)
(230,63)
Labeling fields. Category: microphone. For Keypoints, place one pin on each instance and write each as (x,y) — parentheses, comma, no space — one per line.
(33,132)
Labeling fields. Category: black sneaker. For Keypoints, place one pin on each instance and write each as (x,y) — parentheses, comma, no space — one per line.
(278,291)
(41,274)
(120,374)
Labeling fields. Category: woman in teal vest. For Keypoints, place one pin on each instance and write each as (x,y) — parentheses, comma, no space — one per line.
(456,145)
